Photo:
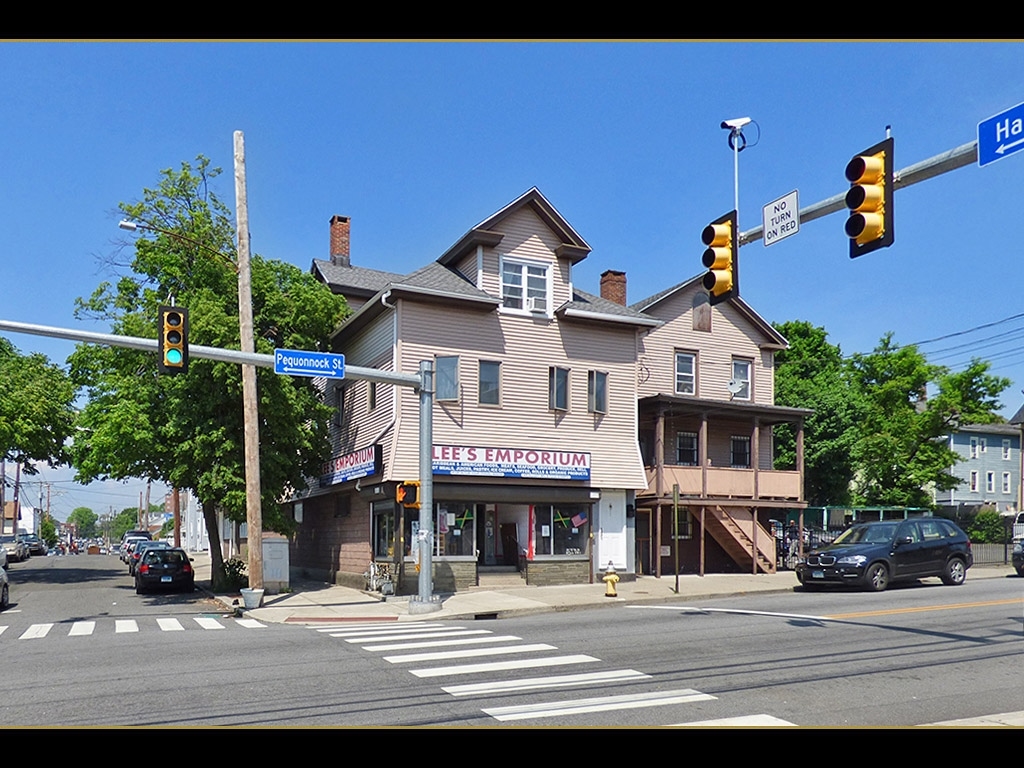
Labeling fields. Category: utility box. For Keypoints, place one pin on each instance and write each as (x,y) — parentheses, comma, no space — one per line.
(275,563)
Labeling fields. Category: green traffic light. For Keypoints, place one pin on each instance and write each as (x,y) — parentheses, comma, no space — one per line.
(173,357)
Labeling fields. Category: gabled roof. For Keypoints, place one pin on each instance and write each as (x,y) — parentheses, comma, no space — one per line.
(1018,417)
(356,281)
(989,429)
(585,306)
(775,339)
(573,247)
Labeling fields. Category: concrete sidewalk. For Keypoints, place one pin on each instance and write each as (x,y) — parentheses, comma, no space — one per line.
(316,602)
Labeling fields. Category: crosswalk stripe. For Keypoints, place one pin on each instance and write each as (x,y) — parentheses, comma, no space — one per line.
(82,628)
(442,643)
(415,636)
(468,653)
(125,625)
(392,628)
(2,630)
(170,625)
(36,631)
(207,623)
(496,666)
(249,623)
(599,704)
(535,683)
(744,721)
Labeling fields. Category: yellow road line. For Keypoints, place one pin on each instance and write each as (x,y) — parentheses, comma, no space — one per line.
(924,608)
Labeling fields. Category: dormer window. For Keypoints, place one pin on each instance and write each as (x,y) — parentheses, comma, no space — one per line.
(524,286)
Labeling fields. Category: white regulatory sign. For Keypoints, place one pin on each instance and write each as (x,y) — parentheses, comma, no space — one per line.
(781,218)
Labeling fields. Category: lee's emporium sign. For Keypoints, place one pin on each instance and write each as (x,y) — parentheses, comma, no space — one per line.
(350,466)
(536,463)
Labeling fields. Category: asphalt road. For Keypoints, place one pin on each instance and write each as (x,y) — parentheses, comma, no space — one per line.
(80,648)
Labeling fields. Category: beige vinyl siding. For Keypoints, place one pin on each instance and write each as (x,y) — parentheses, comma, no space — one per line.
(526,347)
(731,336)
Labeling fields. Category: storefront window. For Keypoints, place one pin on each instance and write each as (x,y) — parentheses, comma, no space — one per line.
(561,529)
(454,531)
(384,531)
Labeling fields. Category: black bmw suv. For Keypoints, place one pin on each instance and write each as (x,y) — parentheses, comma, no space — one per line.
(873,555)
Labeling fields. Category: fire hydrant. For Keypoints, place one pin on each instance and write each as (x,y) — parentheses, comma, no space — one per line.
(611,578)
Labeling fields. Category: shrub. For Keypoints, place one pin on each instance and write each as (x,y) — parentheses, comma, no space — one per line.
(987,527)
(235,573)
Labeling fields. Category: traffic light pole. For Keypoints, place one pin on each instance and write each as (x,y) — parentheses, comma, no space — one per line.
(966,154)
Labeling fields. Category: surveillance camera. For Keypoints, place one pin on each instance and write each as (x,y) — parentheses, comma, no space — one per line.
(736,123)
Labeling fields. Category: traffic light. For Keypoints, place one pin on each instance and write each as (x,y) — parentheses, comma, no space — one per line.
(408,494)
(870,174)
(722,258)
(172,356)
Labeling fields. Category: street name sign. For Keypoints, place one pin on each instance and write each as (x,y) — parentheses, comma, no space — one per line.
(780,219)
(295,362)
(1001,135)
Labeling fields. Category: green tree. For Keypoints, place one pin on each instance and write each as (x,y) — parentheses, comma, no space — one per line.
(84,520)
(125,520)
(187,430)
(900,450)
(812,374)
(48,531)
(987,527)
(36,408)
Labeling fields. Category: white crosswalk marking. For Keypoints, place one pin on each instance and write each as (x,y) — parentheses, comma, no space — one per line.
(743,722)
(36,631)
(413,635)
(442,643)
(352,629)
(2,630)
(125,625)
(535,683)
(249,623)
(170,625)
(80,628)
(600,704)
(468,653)
(469,669)
(207,623)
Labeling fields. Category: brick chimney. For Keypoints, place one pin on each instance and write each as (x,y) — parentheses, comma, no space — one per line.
(339,241)
(613,286)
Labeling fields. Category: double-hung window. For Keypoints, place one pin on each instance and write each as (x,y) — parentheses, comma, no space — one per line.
(524,286)
(1006,482)
(597,392)
(740,384)
(740,451)
(1006,450)
(447,379)
(686,373)
(974,448)
(490,383)
(686,448)
(974,481)
(558,389)
(990,482)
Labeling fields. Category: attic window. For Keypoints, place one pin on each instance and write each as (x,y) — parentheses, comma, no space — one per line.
(524,286)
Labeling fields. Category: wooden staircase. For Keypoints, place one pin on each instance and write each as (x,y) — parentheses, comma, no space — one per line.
(734,533)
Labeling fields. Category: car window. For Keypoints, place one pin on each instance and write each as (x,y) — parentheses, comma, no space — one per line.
(909,530)
(931,530)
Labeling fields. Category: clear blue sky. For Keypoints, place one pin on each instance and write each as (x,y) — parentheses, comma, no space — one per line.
(418,142)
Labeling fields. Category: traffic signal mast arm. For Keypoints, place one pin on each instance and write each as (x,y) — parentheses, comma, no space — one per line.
(967,154)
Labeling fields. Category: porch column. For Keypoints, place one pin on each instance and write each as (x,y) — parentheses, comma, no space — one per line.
(755,454)
(659,482)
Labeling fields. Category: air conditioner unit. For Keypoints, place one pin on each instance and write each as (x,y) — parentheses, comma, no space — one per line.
(535,304)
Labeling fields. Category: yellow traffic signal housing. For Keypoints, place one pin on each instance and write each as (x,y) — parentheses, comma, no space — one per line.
(721,257)
(408,494)
(172,330)
(870,199)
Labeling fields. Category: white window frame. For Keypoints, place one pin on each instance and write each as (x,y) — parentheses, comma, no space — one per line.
(496,364)
(974,448)
(690,377)
(1006,482)
(743,363)
(990,482)
(982,445)
(558,388)
(533,283)
(1006,449)
(732,451)
(974,481)
(446,381)
(597,391)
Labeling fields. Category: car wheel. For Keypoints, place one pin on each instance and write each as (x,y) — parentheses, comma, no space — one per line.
(955,573)
(5,598)
(1020,571)
(876,578)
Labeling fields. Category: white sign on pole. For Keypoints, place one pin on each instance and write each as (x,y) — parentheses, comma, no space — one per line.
(781,218)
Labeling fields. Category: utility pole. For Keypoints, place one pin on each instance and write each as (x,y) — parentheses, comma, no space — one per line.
(253,502)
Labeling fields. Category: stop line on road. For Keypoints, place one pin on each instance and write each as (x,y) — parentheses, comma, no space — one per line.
(129,626)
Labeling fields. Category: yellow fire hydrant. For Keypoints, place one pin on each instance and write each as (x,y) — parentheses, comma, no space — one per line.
(611,578)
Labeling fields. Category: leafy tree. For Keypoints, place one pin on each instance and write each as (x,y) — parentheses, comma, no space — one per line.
(987,527)
(187,430)
(812,374)
(900,451)
(84,520)
(48,531)
(126,520)
(36,408)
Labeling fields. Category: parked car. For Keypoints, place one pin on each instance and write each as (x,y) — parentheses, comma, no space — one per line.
(128,545)
(874,555)
(141,547)
(5,593)
(17,550)
(1018,557)
(169,568)
(36,546)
